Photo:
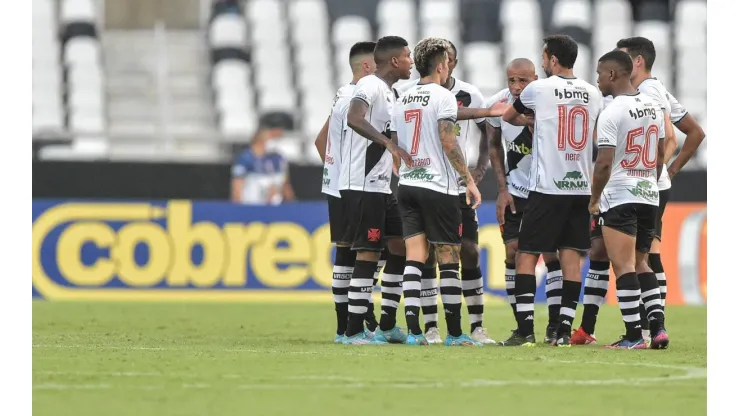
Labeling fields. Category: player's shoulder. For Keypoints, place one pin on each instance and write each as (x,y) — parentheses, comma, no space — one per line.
(466,86)
(346,89)
(655,88)
(368,82)
(504,94)
(402,88)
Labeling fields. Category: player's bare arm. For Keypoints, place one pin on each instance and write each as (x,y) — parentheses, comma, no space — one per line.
(237,186)
(662,143)
(513,112)
(468,113)
(602,172)
(321,139)
(482,164)
(496,154)
(448,137)
(694,136)
(396,160)
(671,143)
(356,121)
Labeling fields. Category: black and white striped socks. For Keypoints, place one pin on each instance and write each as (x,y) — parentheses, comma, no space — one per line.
(391,288)
(411,295)
(472,290)
(344,264)
(554,291)
(510,275)
(628,296)
(450,287)
(360,295)
(650,296)
(429,295)
(594,293)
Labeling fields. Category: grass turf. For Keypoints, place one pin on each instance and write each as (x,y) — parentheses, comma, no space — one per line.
(278,359)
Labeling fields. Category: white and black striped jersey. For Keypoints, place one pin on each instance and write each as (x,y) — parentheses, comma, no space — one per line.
(466,95)
(368,166)
(518,145)
(333,158)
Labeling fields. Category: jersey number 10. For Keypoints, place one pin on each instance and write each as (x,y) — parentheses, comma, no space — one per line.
(567,127)
(415,116)
(641,152)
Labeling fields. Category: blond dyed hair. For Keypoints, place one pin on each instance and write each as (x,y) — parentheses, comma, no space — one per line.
(427,51)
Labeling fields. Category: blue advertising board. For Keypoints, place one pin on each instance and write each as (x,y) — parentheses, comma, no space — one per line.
(193,250)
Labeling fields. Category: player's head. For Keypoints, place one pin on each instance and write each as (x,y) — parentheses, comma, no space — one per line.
(642,52)
(615,70)
(392,52)
(431,58)
(451,57)
(559,52)
(361,59)
(519,73)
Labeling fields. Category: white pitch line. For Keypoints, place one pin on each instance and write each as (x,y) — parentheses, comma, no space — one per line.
(689,373)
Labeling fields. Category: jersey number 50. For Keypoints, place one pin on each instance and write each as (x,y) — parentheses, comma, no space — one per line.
(641,152)
(415,116)
(567,127)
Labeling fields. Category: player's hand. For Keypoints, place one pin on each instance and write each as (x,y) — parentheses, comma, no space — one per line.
(472,195)
(478,174)
(498,109)
(396,166)
(593,208)
(401,154)
(671,172)
(504,200)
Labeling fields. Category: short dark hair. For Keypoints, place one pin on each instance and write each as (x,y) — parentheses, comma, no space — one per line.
(386,45)
(428,53)
(361,48)
(639,46)
(454,49)
(564,48)
(621,59)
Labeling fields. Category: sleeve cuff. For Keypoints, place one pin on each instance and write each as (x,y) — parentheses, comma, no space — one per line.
(519,106)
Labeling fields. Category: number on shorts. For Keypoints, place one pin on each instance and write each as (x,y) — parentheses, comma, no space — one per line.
(415,116)
(641,151)
(567,127)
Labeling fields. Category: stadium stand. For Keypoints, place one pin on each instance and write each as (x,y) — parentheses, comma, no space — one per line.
(287,57)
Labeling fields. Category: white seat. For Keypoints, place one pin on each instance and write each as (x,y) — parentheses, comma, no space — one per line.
(82,51)
(583,67)
(234,104)
(228,30)
(691,66)
(344,75)
(447,31)
(313,122)
(691,12)
(572,13)
(305,33)
(520,12)
(266,33)
(278,98)
(269,56)
(77,11)
(86,121)
(272,77)
(230,73)
(47,119)
(240,125)
(403,28)
(86,100)
(656,31)
(85,77)
(315,56)
(389,10)
(439,10)
(606,35)
(267,10)
(351,29)
(314,79)
(482,54)
(612,11)
(313,11)
(43,9)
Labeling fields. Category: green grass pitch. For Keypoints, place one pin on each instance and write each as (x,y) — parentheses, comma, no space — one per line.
(201,359)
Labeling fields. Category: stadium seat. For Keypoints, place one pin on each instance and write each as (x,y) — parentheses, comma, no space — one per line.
(82,51)
(572,13)
(231,73)
(520,12)
(264,10)
(312,11)
(240,126)
(228,30)
(291,148)
(350,29)
(77,11)
(439,11)
(390,10)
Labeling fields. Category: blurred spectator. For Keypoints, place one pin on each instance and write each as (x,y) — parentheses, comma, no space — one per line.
(260,174)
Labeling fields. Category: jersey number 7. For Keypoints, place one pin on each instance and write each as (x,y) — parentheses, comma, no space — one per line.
(641,152)
(415,116)
(567,118)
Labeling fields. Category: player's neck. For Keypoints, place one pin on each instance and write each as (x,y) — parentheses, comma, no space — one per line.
(563,72)
(450,82)
(624,88)
(387,75)
(641,76)
(431,79)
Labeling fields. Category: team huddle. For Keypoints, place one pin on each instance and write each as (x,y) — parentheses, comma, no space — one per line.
(554,200)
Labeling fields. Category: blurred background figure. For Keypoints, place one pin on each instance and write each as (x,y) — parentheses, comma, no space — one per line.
(260,172)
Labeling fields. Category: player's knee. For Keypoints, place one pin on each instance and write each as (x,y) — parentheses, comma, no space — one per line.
(396,246)
(598,250)
(447,254)
(469,254)
(511,249)
(655,246)
(366,255)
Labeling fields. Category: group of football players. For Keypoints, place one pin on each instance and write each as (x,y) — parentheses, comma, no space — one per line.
(555,199)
